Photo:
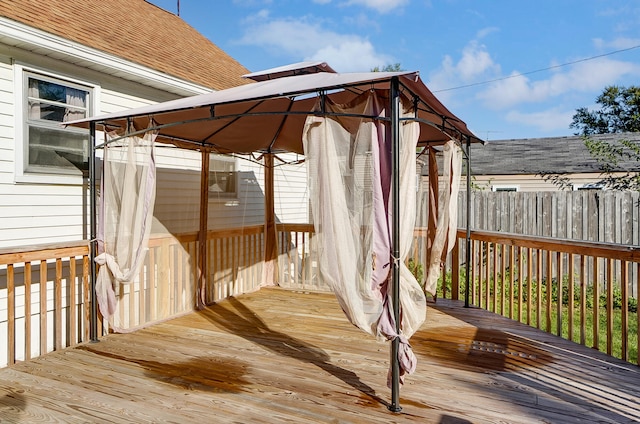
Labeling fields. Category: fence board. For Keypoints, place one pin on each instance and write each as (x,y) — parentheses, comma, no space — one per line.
(589,215)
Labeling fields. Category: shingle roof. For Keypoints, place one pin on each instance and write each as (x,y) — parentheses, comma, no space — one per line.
(535,155)
(135,30)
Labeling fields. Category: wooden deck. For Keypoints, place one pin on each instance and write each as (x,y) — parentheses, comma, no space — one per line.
(280,356)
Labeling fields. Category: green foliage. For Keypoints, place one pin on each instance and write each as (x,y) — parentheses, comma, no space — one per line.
(396,67)
(416,269)
(512,300)
(612,157)
(619,112)
(560,180)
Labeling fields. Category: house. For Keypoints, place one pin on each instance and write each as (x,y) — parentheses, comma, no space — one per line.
(64,59)
(509,192)
(519,164)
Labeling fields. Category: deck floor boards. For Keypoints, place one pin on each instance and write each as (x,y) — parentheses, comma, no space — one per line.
(278,356)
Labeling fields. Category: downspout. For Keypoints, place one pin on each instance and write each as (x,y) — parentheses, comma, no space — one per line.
(93,242)
(395,282)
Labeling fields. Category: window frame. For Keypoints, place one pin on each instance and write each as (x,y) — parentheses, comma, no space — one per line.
(223,195)
(22,73)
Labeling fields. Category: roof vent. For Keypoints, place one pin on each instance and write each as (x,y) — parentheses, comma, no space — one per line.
(300,68)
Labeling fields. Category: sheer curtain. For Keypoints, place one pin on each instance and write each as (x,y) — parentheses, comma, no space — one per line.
(127,196)
(447,222)
(77,98)
(348,162)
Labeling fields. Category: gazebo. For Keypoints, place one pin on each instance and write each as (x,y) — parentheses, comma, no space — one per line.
(272,115)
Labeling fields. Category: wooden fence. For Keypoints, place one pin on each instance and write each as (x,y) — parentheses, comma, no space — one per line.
(589,215)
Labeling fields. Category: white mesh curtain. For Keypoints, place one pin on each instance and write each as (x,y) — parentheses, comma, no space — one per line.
(127,197)
(349,179)
(447,222)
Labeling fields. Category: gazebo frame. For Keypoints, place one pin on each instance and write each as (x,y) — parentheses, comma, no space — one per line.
(288,93)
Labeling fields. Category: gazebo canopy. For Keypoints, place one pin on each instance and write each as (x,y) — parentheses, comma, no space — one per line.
(268,116)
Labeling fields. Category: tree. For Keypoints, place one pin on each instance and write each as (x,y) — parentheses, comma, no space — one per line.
(619,113)
(396,67)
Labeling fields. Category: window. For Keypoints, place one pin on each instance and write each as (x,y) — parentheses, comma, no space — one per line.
(222,176)
(48,147)
(504,188)
(589,186)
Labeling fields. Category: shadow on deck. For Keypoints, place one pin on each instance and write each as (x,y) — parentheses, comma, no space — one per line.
(282,356)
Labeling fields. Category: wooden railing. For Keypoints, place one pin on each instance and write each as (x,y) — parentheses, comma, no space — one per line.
(582,291)
(45,295)
(165,286)
(47,298)
(298,258)
(45,302)
(235,261)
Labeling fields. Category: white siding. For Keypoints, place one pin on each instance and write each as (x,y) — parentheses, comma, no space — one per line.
(178,194)
(291,195)
(526,182)
(6,124)
(45,213)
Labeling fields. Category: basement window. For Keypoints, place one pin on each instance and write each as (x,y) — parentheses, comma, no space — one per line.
(500,187)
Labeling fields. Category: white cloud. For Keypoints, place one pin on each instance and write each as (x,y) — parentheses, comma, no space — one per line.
(351,56)
(363,20)
(619,43)
(484,32)
(582,77)
(550,121)
(474,65)
(475,61)
(302,39)
(381,6)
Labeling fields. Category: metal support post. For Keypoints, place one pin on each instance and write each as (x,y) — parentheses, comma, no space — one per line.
(93,242)
(395,189)
(468,234)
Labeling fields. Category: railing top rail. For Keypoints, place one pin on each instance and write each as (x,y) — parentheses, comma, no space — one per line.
(307,228)
(41,252)
(630,253)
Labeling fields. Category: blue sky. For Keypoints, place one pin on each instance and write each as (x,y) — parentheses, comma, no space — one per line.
(468,52)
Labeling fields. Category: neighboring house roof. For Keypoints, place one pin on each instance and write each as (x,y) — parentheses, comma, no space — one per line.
(535,155)
(135,30)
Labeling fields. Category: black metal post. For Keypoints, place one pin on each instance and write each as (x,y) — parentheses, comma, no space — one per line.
(395,282)
(93,242)
(468,234)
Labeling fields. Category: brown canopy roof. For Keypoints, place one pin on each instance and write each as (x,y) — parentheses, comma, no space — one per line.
(269,116)
(135,30)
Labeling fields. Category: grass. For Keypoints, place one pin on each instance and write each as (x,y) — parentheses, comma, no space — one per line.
(580,333)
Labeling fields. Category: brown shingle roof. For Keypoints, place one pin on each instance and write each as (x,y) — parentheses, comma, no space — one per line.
(135,30)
